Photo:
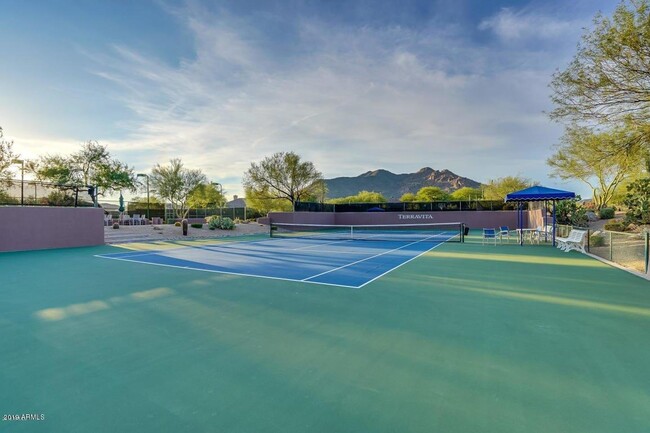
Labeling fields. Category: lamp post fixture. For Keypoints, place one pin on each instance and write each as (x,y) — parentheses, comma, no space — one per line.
(147,176)
(220,192)
(22,179)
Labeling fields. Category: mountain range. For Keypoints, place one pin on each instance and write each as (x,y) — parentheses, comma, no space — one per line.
(393,186)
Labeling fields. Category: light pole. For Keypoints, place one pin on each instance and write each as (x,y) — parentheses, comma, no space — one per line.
(221,193)
(22,179)
(147,176)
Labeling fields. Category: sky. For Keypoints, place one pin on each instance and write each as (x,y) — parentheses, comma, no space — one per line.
(351,86)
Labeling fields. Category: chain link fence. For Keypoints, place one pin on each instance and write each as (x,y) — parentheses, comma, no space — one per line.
(630,250)
(436,206)
(37,193)
(627,249)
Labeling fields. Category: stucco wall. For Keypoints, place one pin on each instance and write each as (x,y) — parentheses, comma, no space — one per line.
(473,219)
(38,228)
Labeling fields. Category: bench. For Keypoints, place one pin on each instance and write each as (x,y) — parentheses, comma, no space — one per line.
(575,241)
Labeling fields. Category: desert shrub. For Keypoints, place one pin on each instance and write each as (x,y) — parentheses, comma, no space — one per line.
(570,212)
(5,198)
(606,213)
(222,223)
(616,226)
(637,201)
(597,240)
(197,225)
(59,198)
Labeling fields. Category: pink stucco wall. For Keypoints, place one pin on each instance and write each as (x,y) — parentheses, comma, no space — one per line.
(473,220)
(38,228)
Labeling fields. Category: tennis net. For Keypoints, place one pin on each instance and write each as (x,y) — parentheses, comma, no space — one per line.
(436,232)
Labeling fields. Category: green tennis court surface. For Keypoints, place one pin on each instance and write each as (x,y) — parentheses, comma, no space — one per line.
(465,338)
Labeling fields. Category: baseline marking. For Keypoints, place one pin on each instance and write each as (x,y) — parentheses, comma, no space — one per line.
(228,272)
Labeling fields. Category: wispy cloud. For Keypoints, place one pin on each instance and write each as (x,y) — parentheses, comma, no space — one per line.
(348,98)
(509,24)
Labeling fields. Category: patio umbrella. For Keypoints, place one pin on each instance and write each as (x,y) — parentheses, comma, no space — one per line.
(538,193)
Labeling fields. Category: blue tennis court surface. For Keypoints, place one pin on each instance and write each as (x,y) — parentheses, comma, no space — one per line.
(346,263)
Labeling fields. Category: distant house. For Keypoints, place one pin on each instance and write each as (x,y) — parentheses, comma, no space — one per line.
(236,202)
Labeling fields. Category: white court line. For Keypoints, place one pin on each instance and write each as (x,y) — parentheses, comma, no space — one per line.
(228,273)
(321,244)
(403,263)
(352,240)
(367,258)
(279,278)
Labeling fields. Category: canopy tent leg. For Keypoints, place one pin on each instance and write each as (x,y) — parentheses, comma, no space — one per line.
(554,223)
(520,222)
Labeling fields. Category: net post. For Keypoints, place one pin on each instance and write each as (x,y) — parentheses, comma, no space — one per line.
(462,232)
(351,232)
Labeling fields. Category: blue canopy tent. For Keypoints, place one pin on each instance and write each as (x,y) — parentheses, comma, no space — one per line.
(538,193)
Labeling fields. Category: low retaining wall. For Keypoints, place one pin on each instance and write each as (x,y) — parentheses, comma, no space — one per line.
(472,219)
(39,228)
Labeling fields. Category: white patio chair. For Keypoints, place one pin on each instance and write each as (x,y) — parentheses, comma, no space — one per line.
(489,235)
(504,231)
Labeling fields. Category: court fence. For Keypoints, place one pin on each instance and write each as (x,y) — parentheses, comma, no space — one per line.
(435,206)
(46,194)
(630,250)
(36,193)
(167,214)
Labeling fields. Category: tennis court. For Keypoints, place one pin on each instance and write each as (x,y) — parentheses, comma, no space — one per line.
(333,255)
(457,337)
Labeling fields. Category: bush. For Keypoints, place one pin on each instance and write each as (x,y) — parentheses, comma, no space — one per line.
(616,226)
(222,223)
(197,225)
(570,212)
(637,201)
(596,240)
(606,213)
(177,224)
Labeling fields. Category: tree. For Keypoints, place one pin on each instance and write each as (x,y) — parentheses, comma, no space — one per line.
(283,176)
(7,156)
(361,197)
(637,201)
(595,159)
(498,189)
(266,205)
(206,195)
(431,193)
(175,184)
(92,165)
(409,197)
(466,193)
(608,81)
